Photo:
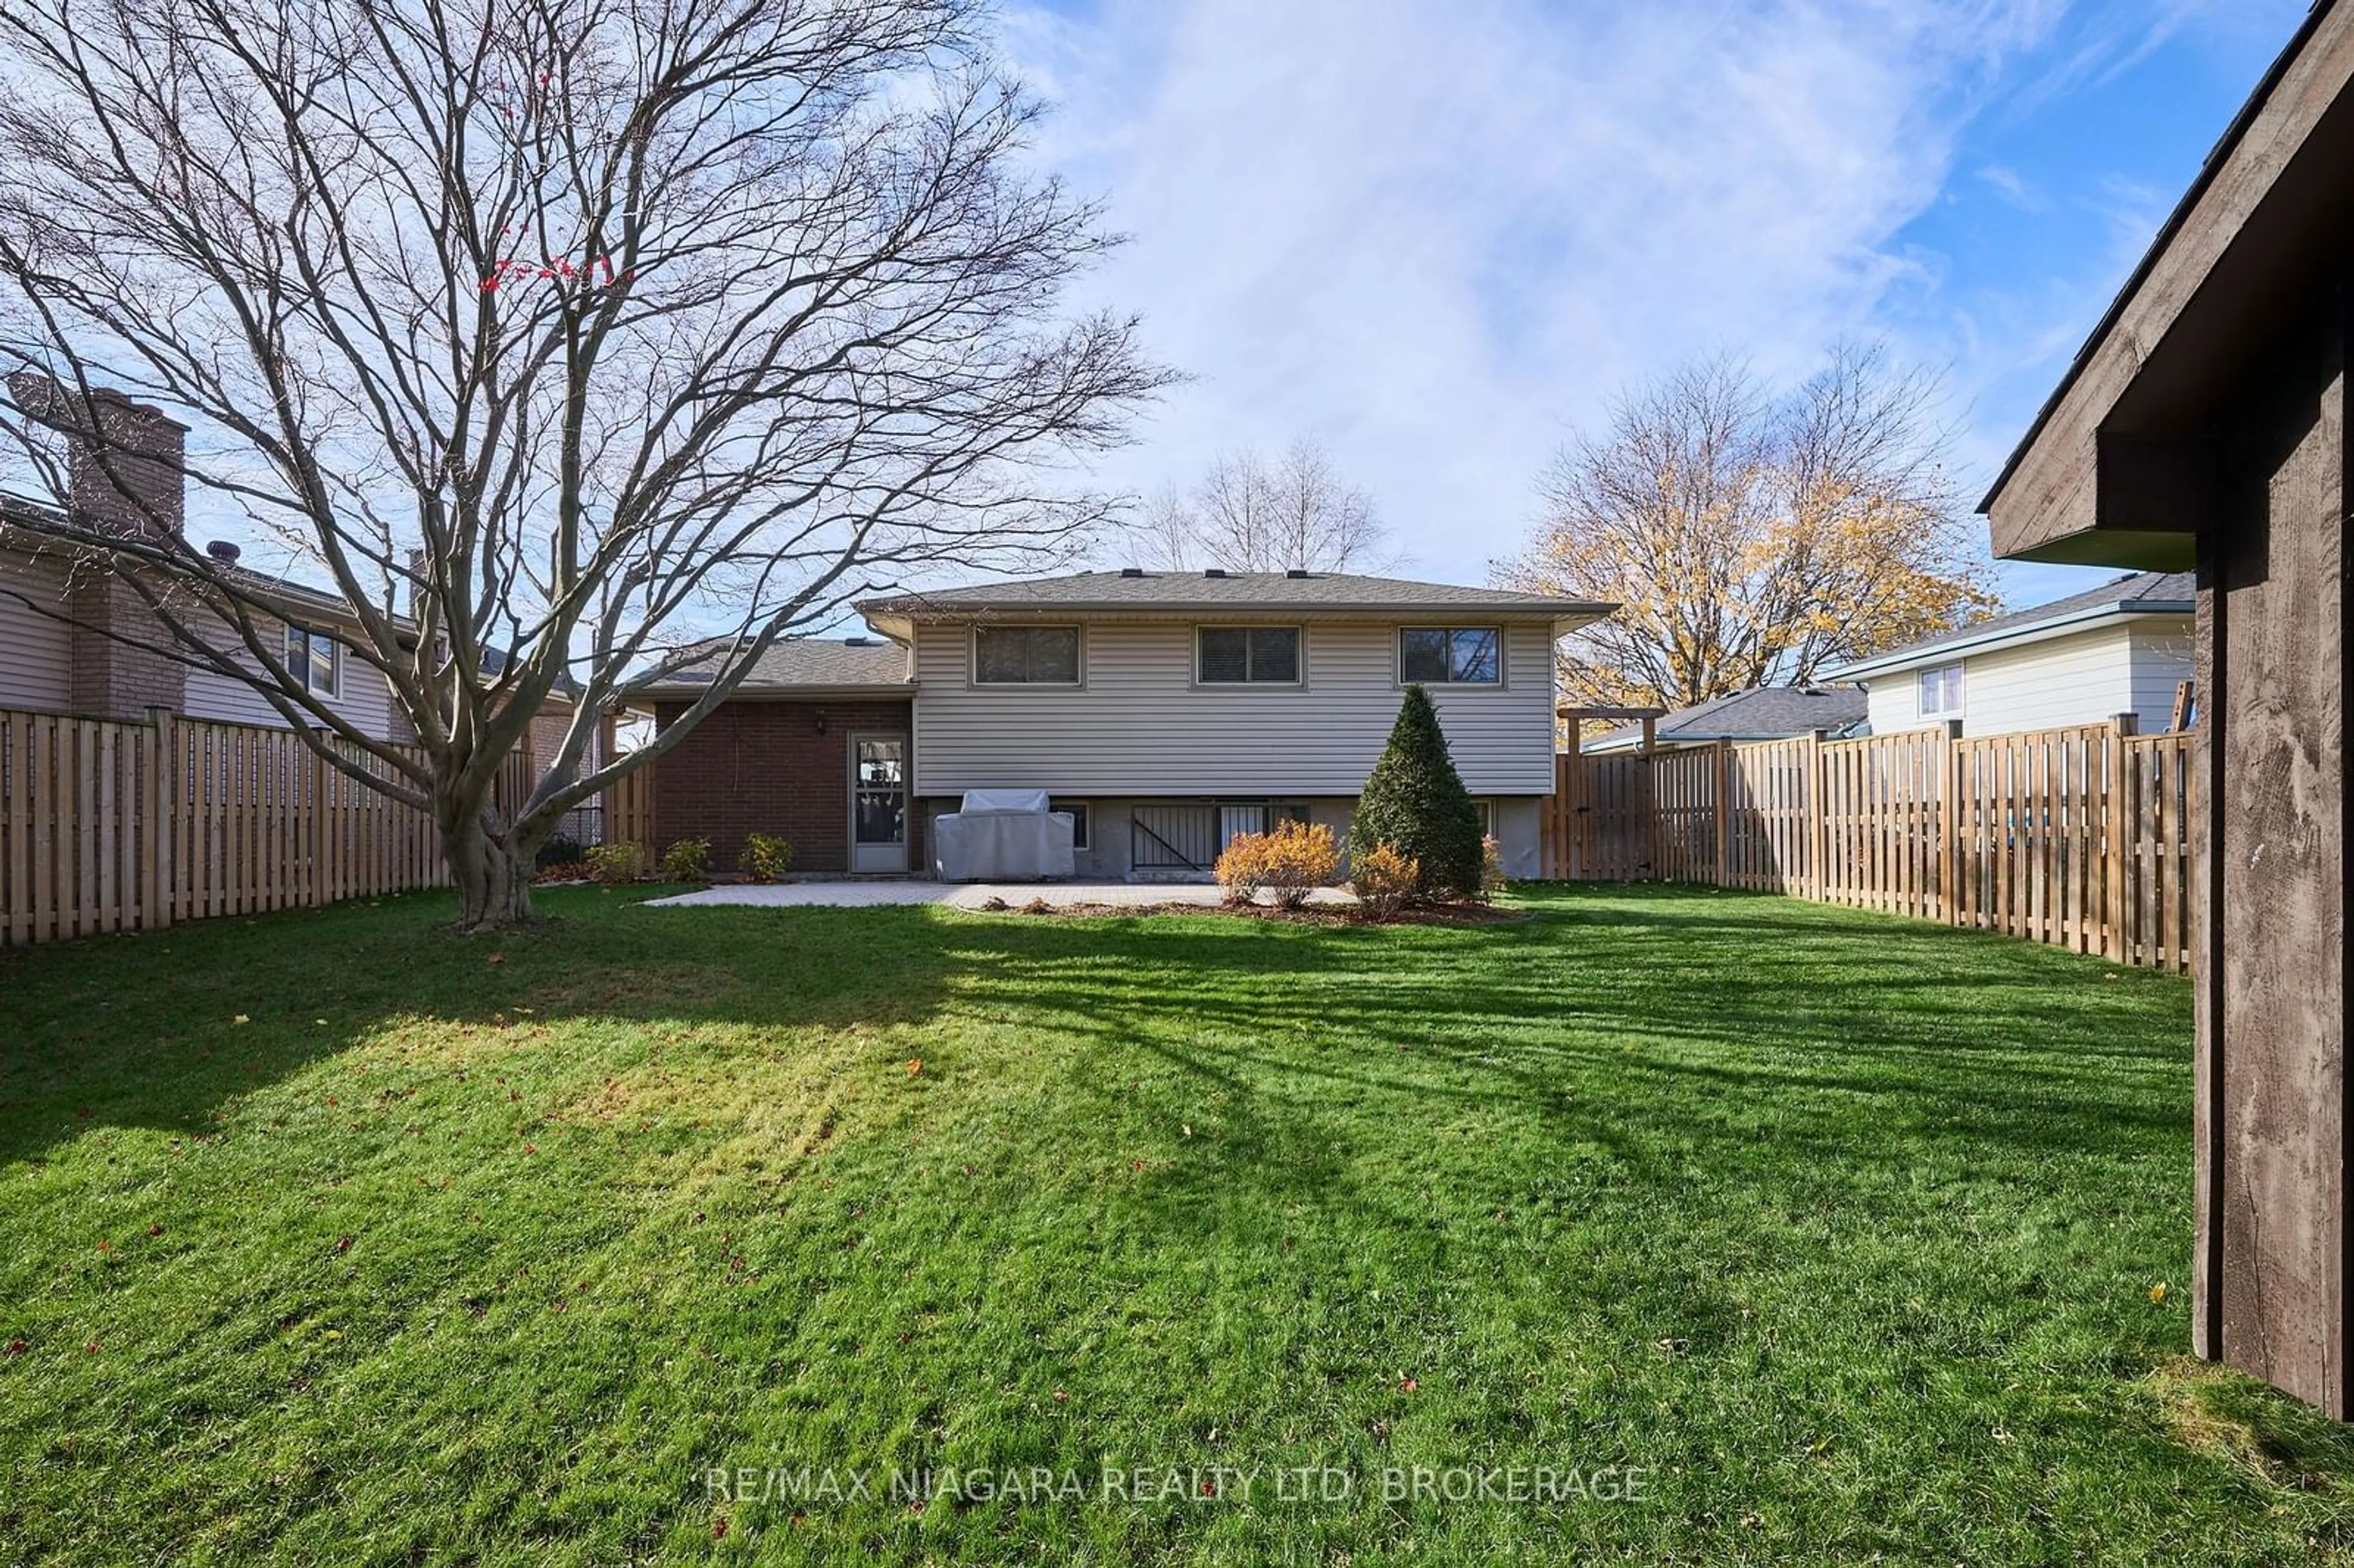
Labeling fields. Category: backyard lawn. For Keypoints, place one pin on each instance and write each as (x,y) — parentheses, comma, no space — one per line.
(1794,1235)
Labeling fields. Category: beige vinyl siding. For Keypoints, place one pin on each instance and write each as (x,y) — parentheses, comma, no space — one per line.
(36,657)
(1137,724)
(2083,678)
(362,696)
(2162,660)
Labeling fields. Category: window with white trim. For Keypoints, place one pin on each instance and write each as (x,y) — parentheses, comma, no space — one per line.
(1941,692)
(1487,810)
(1025,655)
(315,660)
(1451,655)
(1246,655)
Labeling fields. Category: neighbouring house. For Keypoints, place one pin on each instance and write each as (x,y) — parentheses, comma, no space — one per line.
(63,608)
(2121,648)
(1165,711)
(2205,426)
(1769,713)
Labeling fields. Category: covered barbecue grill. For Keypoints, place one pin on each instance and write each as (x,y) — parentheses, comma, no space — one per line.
(1002,835)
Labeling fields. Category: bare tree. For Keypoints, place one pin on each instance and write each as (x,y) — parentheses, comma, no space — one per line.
(1754,537)
(1255,514)
(556,338)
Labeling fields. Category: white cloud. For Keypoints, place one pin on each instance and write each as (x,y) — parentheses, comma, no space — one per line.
(1440,238)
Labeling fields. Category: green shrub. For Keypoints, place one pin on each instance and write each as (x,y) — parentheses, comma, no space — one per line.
(1415,803)
(1384,880)
(766,856)
(689,860)
(617,863)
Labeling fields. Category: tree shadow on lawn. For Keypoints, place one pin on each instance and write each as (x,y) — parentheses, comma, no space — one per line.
(163,1030)
(1613,1015)
(1891,1039)
(1701,1078)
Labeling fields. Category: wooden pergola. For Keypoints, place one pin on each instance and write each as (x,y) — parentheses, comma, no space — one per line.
(2206,424)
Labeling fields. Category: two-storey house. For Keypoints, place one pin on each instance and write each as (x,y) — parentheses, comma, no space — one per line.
(1165,711)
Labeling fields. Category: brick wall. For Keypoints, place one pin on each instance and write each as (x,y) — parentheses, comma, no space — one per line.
(111,679)
(763,767)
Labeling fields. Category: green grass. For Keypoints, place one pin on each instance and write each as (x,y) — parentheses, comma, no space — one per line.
(398,1247)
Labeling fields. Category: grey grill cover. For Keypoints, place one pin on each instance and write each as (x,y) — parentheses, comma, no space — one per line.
(1002,835)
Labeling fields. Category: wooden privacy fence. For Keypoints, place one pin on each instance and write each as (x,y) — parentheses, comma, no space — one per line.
(117,826)
(629,812)
(2075,837)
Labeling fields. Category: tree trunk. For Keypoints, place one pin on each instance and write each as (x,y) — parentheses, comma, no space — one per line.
(492,869)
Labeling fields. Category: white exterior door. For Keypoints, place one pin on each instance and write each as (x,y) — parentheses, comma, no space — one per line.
(878,802)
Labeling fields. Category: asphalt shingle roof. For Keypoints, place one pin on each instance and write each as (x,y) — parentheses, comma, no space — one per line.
(1113,591)
(1769,713)
(2133,591)
(814,661)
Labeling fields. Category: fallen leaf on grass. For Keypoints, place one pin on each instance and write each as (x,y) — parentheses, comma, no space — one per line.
(915,1066)
(242,1018)
(496,959)
(1409,1386)
(2157,1292)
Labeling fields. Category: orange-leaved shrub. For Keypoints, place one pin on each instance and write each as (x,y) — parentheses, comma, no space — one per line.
(1491,868)
(1384,881)
(1292,862)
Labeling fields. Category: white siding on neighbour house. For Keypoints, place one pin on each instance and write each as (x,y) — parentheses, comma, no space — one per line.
(2162,660)
(35,658)
(1140,725)
(2084,678)
(1893,701)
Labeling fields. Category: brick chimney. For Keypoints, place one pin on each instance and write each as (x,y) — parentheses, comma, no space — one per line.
(125,476)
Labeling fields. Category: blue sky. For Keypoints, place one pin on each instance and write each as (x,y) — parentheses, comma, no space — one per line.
(1439,238)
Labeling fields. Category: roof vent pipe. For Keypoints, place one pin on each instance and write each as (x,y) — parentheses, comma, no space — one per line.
(1298,574)
(224,552)
(1131,571)
(1213,571)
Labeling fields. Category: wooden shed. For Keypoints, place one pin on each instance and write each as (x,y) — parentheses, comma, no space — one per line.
(2205,425)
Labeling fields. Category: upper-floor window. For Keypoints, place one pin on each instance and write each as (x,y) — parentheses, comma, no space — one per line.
(1941,692)
(1025,655)
(1459,656)
(1253,655)
(313,658)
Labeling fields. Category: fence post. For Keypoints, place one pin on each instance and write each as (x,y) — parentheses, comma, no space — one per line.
(1949,819)
(163,812)
(1814,880)
(2113,751)
(323,783)
(1723,809)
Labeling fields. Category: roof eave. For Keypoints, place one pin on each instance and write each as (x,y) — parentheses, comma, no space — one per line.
(2121,612)
(2049,501)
